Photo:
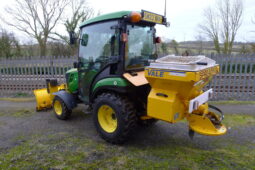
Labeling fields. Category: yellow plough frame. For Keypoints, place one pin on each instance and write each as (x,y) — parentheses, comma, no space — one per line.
(44,97)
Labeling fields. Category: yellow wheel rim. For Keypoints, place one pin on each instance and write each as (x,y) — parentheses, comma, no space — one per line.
(58,107)
(107,118)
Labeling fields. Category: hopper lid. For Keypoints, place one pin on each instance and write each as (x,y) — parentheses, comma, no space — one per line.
(184,63)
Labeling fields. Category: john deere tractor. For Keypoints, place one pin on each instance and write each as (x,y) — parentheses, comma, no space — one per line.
(121,78)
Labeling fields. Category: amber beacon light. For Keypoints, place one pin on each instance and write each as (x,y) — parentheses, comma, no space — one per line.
(135,17)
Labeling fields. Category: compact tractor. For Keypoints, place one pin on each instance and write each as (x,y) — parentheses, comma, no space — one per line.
(121,78)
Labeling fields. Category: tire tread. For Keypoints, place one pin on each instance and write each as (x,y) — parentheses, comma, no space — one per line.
(128,112)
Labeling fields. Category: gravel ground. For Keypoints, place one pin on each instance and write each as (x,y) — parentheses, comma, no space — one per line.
(13,126)
(237,109)
(20,119)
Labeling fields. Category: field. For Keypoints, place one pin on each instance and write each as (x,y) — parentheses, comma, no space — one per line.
(37,140)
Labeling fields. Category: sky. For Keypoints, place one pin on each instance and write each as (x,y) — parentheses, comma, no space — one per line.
(183,15)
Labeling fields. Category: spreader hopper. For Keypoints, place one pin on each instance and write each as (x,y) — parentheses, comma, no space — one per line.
(177,92)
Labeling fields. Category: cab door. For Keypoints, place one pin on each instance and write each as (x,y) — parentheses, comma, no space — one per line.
(98,43)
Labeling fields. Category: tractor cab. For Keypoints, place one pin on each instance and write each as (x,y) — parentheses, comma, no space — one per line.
(114,44)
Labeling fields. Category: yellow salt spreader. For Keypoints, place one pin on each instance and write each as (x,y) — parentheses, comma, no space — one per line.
(176,93)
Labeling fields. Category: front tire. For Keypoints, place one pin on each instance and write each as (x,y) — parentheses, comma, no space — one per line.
(60,109)
(114,117)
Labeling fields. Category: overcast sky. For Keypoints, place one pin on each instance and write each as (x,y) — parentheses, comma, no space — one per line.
(184,15)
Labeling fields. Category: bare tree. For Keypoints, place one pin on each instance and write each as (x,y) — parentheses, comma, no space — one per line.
(164,48)
(199,37)
(36,18)
(253,48)
(174,44)
(222,22)
(9,45)
(244,49)
(80,11)
(210,27)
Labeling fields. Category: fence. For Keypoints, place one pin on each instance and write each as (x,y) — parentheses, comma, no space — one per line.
(24,74)
(236,80)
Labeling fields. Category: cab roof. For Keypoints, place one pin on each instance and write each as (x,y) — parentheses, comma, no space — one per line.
(114,15)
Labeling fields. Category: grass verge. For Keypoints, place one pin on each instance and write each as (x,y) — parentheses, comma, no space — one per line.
(18,113)
(27,99)
(235,120)
(65,151)
(232,102)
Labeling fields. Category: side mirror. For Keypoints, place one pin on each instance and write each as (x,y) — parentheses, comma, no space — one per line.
(85,39)
(72,37)
(75,65)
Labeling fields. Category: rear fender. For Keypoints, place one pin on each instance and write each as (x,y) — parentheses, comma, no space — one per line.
(102,89)
(115,84)
(67,98)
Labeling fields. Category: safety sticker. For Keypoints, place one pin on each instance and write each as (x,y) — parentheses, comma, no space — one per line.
(177,74)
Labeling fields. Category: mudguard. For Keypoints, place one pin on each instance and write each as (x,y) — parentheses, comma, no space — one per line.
(68,99)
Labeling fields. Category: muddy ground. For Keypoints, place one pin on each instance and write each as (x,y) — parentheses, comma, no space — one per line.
(38,140)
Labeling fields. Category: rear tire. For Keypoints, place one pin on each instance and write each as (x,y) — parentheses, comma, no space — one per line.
(60,109)
(114,117)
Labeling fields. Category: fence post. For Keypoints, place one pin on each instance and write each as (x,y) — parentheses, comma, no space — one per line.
(252,73)
(245,84)
(230,76)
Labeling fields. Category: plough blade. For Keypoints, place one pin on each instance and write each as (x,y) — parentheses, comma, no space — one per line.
(43,99)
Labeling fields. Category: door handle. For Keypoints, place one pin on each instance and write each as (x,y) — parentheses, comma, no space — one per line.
(161,95)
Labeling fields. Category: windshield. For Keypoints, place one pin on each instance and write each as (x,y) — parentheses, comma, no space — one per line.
(140,46)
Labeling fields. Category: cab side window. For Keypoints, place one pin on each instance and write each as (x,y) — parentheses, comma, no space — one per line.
(98,43)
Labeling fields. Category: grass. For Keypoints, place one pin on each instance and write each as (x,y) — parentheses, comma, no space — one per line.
(232,102)
(235,120)
(65,151)
(18,113)
(27,99)
(76,151)
(23,113)
(20,94)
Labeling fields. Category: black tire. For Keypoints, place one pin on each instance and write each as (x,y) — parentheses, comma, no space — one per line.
(147,122)
(124,112)
(65,112)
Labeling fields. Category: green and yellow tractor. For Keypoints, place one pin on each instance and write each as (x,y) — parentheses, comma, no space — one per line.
(121,78)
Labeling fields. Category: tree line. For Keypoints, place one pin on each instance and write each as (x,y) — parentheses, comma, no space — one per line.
(221,24)
(39,20)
